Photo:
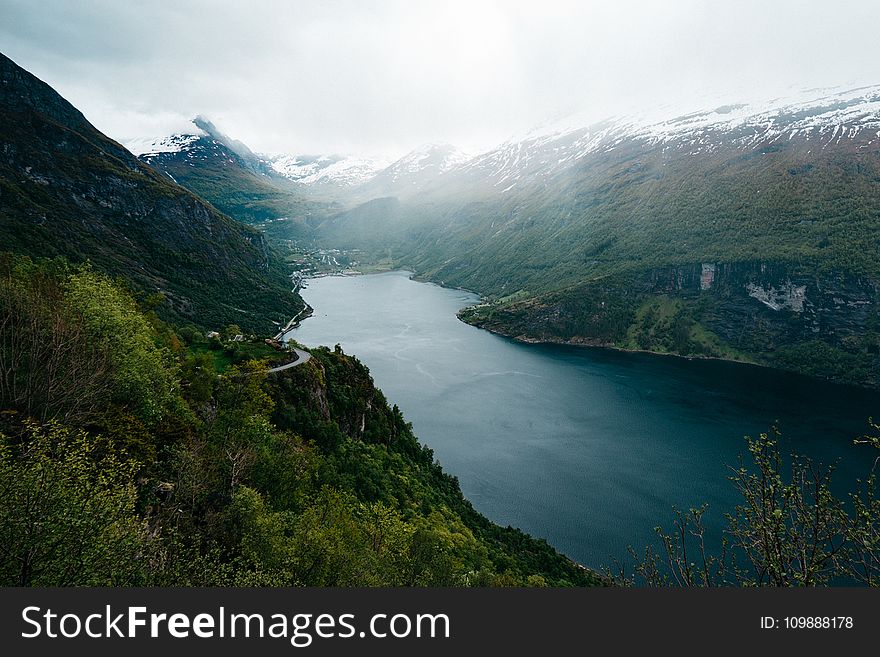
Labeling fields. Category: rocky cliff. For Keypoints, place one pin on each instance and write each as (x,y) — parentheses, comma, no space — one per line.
(793,316)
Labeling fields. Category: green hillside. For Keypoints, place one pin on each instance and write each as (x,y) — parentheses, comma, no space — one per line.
(152,469)
(789,230)
(66,189)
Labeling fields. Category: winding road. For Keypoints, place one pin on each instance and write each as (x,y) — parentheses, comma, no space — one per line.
(301,357)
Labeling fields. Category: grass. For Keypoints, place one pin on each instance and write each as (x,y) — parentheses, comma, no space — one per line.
(232,353)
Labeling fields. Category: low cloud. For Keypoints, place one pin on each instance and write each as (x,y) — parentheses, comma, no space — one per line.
(382,77)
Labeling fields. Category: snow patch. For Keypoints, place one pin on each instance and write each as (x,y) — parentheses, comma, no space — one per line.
(171,144)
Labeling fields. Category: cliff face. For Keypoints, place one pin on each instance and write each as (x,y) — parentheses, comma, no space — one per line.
(791,316)
(66,189)
(793,305)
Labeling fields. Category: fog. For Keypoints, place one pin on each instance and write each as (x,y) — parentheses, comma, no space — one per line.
(379,78)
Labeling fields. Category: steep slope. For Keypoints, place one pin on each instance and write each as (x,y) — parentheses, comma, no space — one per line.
(133,463)
(229,175)
(747,232)
(66,189)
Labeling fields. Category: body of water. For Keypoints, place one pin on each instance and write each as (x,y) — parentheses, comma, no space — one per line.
(588,448)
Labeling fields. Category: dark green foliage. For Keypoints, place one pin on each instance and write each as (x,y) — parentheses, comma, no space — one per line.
(66,189)
(818,358)
(179,476)
(72,343)
(67,515)
(789,530)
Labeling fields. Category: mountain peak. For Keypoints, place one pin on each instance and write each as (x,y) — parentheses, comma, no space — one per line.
(239,148)
(204,123)
(202,127)
(437,156)
(316,170)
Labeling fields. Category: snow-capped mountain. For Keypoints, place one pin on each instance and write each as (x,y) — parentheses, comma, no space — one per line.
(832,116)
(345,176)
(204,144)
(431,159)
(170,144)
(225,172)
(360,178)
(820,118)
(423,166)
(363,178)
(316,170)
(816,119)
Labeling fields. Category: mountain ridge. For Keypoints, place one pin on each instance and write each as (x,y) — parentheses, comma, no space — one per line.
(67,189)
(600,235)
(576,233)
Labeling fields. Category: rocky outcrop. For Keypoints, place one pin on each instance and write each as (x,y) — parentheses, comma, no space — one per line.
(787,297)
(764,311)
(761,306)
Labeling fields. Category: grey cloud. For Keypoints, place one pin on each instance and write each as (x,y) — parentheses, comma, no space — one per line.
(352,76)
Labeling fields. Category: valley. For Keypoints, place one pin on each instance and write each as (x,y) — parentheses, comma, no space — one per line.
(588,448)
(741,233)
(152,433)
(745,232)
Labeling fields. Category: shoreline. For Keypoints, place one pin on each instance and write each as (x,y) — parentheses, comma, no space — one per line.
(628,350)
(305,313)
(522,339)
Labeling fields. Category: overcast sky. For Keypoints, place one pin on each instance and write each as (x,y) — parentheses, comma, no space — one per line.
(381,77)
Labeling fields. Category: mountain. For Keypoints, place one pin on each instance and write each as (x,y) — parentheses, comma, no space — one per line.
(414,171)
(327,173)
(350,179)
(229,175)
(561,146)
(204,138)
(288,195)
(743,231)
(67,189)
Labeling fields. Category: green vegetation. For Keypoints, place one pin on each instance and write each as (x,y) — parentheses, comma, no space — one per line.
(66,189)
(630,229)
(790,530)
(220,176)
(223,355)
(818,358)
(126,459)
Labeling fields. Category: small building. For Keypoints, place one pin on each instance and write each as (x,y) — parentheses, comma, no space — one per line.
(238,338)
(212,334)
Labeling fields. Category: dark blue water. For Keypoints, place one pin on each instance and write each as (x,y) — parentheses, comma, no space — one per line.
(588,448)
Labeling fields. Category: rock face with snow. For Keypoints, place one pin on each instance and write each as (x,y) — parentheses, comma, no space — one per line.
(151,148)
(818,119)
(356,179)
(338,177)
(228,174)
(326,171)
(425,166)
